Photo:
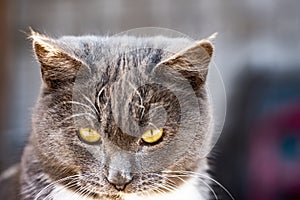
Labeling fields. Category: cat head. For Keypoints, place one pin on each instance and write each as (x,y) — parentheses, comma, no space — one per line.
(119,113)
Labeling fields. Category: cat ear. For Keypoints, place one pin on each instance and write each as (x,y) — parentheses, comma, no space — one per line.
(191,63)
(57,66)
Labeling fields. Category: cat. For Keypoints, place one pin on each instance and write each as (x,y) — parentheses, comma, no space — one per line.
(119,118)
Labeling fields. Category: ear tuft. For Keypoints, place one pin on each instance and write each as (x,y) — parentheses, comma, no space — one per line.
(57,66)
(42,45)
(207,43)
(207,46)
(33,33)
(192,63)
(37,37)
(213,36)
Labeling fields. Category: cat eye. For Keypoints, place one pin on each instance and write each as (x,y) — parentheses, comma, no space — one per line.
(89,135)
(153,135)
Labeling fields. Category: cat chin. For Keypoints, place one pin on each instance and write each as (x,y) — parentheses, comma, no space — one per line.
(188,190)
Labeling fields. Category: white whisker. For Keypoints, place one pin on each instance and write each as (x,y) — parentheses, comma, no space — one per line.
(90,191)
(92,104)
(200,179)
(140,97)
(198,175)
(54,183)
(65,187)
(82,104)
(151,124)
(99,93)
(79,115)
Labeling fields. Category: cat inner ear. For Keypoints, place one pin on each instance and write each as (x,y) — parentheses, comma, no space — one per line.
(57,67)
(191,63)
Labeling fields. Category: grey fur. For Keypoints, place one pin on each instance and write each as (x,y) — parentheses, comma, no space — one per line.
(90,70)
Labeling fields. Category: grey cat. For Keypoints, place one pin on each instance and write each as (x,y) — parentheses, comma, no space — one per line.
(119,118)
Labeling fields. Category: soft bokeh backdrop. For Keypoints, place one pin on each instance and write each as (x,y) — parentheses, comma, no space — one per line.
(257,52)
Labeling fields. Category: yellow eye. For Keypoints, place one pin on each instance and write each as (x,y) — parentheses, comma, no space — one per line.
(89,135)
(152,135)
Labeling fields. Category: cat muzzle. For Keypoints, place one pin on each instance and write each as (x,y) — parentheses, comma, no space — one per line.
(119,181)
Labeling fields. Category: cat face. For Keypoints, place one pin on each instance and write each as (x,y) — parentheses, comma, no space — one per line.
(116,115)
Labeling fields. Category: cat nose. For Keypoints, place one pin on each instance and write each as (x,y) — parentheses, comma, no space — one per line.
(119,180)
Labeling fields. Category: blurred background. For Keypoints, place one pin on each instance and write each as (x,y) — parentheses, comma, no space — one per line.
(257,52)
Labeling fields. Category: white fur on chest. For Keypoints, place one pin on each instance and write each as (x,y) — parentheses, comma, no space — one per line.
(60,193)
(186,191)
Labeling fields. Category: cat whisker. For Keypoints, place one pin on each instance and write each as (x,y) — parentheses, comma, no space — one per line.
(99,93)
(202,181)
(73,183)
(166,187)
(154,108)
(140,97)
(145,193)
(198,175)
(74,177)
(163,176)
(151,124)
(98,96)
(148,192)
(83,105)
(80,192)
(65,187)
(153,189)
(92,104)
(77,193)
(171,181)
(79,115)
(88,191)
(159,190)
(87,194)
(210,188)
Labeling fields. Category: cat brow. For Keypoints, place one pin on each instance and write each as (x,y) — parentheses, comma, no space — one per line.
(141,99)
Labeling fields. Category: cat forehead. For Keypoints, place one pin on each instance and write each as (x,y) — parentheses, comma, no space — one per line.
(120,44)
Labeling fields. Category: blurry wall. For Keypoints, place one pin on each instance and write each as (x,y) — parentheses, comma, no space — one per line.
(254,35)
(6,71)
